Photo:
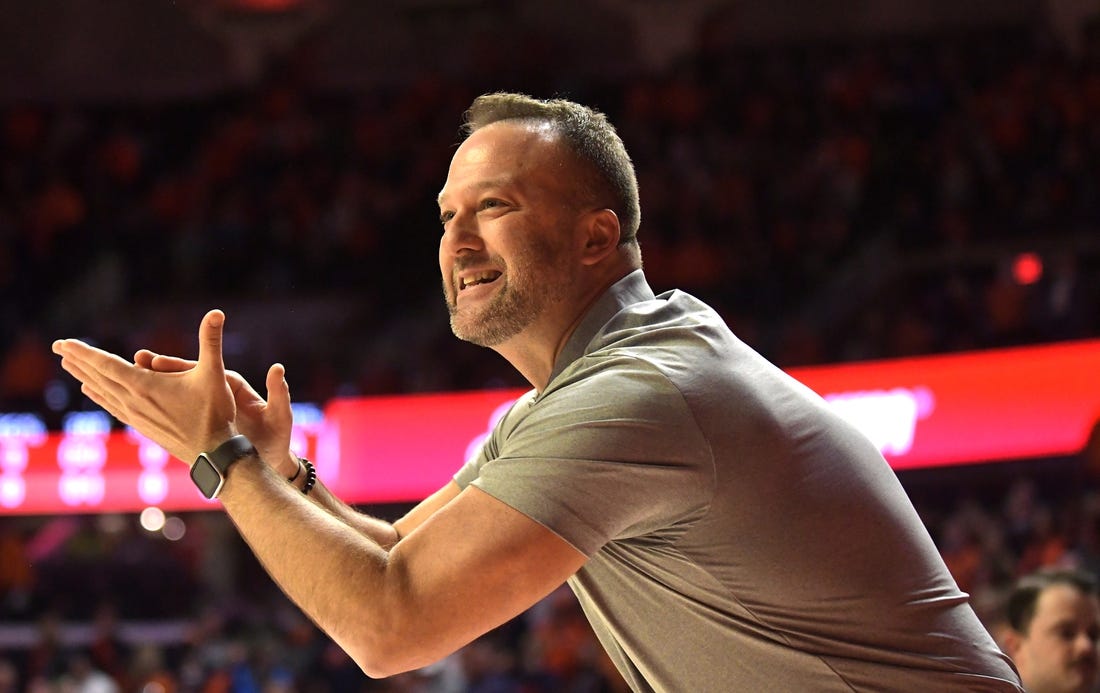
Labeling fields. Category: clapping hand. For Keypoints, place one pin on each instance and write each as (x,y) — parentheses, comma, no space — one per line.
(267,423)
(185,412)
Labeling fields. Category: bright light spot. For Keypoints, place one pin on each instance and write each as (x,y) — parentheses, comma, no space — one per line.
(13,490)
(152,486)
(887,417)
(174,529)
(152,519)
(86,423)
(81,453)
(307,414)
(13,457)
(1027,268)
(78,488)
(152,455)
(24,426)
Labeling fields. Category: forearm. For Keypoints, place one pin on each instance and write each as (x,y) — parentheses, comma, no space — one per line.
(334,571)
(381,532)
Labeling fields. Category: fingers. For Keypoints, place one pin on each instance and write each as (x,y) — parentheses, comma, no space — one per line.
(143,358)
(108,403)
(103,371)
(98,372)
(153,361)
(171,364)
(278,391)
(181,411)
(210,342)
(278,396)
(278,421)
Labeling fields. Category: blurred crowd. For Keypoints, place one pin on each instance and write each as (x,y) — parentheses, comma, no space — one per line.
(95,604)
(834,201)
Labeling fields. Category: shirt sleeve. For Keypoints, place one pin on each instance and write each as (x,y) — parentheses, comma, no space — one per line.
(614,452)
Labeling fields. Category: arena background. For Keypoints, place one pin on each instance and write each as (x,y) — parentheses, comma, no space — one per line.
(846,182)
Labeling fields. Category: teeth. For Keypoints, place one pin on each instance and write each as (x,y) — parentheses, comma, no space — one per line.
(478,278)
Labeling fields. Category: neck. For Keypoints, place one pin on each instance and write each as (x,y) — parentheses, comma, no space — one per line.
(534,351)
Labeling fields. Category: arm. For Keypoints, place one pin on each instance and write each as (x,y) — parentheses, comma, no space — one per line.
(403,608)
(391,610)
(380,531)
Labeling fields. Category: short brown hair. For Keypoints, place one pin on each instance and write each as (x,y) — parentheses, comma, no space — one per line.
(1025,595)
(587,133)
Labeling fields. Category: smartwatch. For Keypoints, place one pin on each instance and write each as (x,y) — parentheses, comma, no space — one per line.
(210,468)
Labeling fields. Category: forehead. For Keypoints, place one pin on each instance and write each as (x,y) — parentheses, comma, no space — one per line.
(1067,603)
(508,153)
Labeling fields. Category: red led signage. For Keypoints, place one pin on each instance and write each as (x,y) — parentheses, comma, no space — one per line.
(984,406)
(955,409)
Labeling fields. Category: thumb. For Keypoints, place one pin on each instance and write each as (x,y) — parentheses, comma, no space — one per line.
(210,342)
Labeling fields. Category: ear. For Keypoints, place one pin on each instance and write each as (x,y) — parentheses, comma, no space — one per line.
(1011,640)
(600,235)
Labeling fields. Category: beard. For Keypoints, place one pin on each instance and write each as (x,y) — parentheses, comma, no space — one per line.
(537,279)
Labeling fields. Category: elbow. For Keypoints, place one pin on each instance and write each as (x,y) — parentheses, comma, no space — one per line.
(392,642)
(398,633)
(376,658)
(374,668)
(385,657)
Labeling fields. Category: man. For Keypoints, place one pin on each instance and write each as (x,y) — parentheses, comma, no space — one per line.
(1053,630)
(722,528)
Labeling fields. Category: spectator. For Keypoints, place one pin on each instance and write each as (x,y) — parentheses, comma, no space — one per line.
(9,677)
(1054,630)
(83,677)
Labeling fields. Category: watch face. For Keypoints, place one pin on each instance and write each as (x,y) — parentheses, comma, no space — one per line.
(206,477)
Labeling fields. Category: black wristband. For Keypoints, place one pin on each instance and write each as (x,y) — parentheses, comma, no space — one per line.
(298,471)
(311,475)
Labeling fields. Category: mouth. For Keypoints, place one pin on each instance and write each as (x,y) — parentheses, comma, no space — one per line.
(1086,670)
(477,279)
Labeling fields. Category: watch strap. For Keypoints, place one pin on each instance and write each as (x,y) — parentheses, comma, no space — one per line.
(210,468)
(229,452)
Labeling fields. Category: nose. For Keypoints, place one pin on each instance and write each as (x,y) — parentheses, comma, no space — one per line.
(1087,645)
(460,233)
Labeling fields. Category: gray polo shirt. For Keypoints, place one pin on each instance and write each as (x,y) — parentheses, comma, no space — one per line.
(740,536)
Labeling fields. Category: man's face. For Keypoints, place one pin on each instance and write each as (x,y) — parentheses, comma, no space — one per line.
(508,212)
(1058,654)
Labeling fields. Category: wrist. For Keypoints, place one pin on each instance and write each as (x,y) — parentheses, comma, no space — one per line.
(211,469)
(284,463)
(305,478)
(299,469)
(215,440)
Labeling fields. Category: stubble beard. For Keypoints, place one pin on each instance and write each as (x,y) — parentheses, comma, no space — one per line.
(495,322)
(524,295)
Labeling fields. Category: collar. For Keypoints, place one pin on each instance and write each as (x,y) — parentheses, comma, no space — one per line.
(629,290)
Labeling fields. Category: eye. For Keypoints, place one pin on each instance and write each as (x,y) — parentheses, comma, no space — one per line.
(446,216)
(490,203)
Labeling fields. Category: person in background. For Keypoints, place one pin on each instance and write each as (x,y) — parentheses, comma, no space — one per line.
(1053,629)
(9,677)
